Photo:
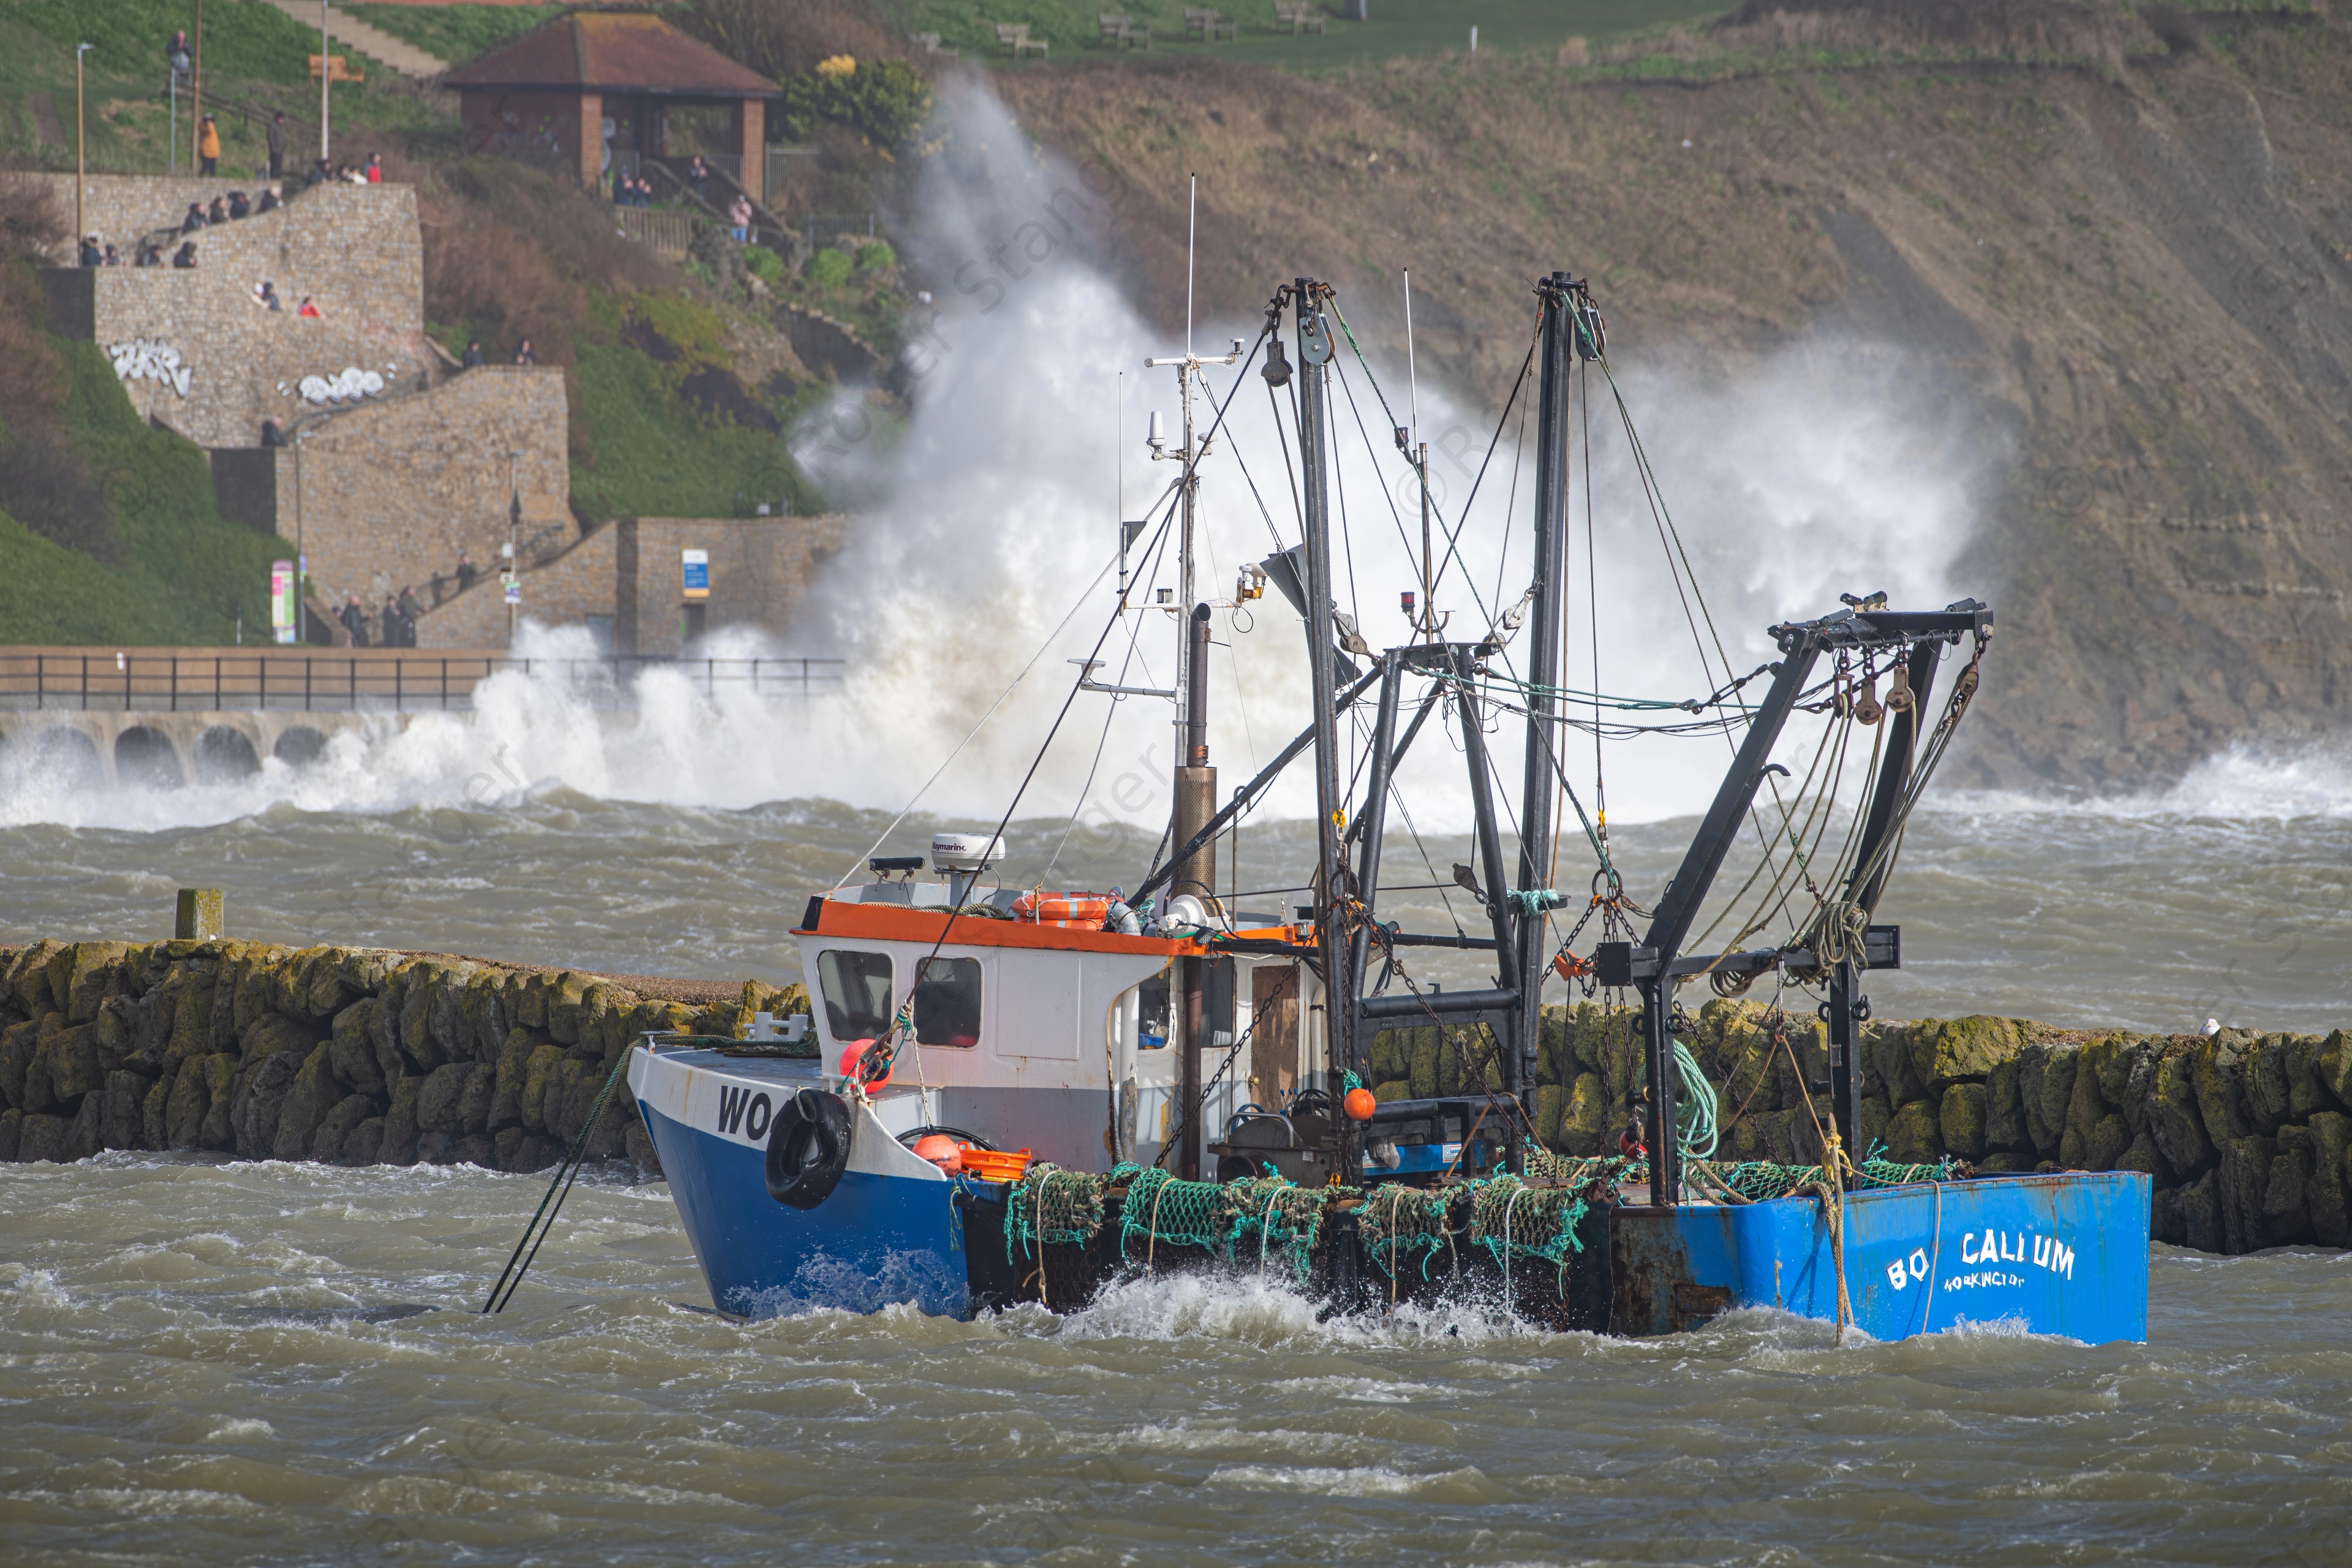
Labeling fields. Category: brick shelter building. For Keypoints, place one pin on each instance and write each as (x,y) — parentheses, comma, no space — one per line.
(596,86)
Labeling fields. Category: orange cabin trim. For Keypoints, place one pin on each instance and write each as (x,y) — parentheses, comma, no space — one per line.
(893,922)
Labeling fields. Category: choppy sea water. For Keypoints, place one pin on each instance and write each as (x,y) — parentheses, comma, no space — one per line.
(231,1364)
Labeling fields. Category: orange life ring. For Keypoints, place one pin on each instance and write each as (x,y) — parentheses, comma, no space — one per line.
(1062,908)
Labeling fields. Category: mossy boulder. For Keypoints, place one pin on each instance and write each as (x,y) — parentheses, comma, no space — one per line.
(1584,1120)
(353,1044)
(67,1063)
(540,1073)
(1915,1136)
(2045,1083)
(2286,1202)
(1421,1063)
(2331,1064)
(2096,1134)
(2269,1084)
(314,1092)
(1960,1119)
(1389,1093)
(1550,1104)
(332,1143)
(1387,1059)
(2221,1078)
(2331,1137)
(1890,1052)
(2004,1109)
(92,969)
(396,1143)
(2173,1114)
(1959,1050)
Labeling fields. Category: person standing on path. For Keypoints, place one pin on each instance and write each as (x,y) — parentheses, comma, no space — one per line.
(207,146)
(739,215)
(278,145)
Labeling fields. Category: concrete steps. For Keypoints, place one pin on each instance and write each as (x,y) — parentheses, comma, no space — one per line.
(374,42)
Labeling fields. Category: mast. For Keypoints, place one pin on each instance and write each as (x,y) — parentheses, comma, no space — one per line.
(1315,351)
(1550,566)
(1847,1006)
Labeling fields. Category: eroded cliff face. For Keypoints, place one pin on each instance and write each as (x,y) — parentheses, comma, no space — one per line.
(2112,249)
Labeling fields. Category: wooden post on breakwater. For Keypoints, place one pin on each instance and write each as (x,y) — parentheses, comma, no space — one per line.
(199,917)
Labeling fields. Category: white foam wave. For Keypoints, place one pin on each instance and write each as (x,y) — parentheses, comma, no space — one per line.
(982,563)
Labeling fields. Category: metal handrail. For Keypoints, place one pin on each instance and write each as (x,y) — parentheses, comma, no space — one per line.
(387,681)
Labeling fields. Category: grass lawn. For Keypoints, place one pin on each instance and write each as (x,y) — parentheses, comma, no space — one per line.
(185,570)
(254,54)
(455,33)
(1410,28)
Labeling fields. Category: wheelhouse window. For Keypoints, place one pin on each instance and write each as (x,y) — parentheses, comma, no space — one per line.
(947,1002)
(857,987)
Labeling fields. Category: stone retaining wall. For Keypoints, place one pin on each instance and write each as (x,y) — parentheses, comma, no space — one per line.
(348,1056)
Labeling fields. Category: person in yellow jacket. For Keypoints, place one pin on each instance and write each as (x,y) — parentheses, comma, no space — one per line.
(207,146)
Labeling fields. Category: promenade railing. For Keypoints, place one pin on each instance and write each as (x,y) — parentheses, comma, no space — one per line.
(401,680)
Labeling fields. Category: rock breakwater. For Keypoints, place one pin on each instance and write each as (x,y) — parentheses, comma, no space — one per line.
(367,1056)
(2245,1134)
(347,1055)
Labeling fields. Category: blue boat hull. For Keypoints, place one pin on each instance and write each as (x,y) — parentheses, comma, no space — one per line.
(879,1241)
(2064,1253)
(2061,1254)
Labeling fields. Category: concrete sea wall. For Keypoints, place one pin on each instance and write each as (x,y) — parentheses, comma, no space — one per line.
(347,1055)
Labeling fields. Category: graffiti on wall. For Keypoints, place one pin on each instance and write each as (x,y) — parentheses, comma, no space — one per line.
(149,359)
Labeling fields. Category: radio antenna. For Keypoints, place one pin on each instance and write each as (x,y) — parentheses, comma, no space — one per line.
(1191,238)
(1412,374)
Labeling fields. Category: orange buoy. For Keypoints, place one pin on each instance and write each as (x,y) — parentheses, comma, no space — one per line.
(1360,1104)
(941,1151)
(853,1060)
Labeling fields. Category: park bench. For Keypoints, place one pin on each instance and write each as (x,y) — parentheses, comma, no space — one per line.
(1012,38)
(1204,23)
(1298,16)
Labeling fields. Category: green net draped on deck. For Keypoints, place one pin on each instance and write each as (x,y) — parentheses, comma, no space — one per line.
(1511,1219)
(1049,1203)
(1412,1221)
(1257,1218)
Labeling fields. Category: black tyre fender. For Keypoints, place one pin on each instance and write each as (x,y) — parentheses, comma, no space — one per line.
(808,1148)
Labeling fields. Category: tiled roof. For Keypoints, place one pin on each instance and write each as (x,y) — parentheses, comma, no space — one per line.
(623,51)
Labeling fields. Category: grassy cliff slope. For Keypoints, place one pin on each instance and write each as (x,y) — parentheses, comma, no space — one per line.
(2120,241)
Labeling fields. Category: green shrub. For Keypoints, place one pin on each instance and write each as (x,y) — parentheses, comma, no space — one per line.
(763,263)
(876,256)
(827,268)
(883,101)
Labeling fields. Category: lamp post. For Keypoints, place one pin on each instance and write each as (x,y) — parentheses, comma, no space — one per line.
(326,81)
(178,60)
(514,541)
(301,556)
(196,91)
(81,165)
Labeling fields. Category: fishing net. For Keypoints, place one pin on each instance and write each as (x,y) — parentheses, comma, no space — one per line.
(1049,1203)
(1281,1216)
(1511,1219)
(1397,1221)
(1161,1207)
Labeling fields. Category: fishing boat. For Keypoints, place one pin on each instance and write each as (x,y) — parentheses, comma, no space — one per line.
(1011,1097)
